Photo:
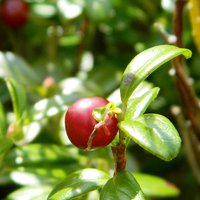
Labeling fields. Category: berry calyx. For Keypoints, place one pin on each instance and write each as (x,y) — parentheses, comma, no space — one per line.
(14,13)
(83,130)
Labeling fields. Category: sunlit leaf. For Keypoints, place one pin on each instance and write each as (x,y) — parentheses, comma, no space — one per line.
(122,186)
(39,192)
(51,106)
(69,9)
(137,106)
(142,89)
(78,184)
(70,40)
(33,175)
(154,186)
(29,132)
(145,63)
(155,133)
(37,154)
(44,10)
(18,96)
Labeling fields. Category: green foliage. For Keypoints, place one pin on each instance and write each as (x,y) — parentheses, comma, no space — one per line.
(144,64)
(155,133)
(79,183)
(31,192)
(122,186)
(154,186)
(71,49)
(18,97)
(36,154)
(2,120)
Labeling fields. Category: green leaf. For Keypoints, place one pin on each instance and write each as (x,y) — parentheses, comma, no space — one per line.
(3,121)
(33,175)
(155,133)
(154,186)
(98,10)
(69,9)
(142,88)
(37,154)
(78,184)
(27,132)
(18,96)
(43,10)
(5,177)
(145,63)
(122,186)
(37,192)
(137,106)
(51,106)
(15,67)
(6,144)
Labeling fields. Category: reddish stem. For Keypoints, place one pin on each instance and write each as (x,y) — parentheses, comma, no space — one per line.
(119,153)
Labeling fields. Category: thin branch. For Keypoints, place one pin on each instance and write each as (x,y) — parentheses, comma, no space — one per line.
(185,89)
(119,154)
(187,142)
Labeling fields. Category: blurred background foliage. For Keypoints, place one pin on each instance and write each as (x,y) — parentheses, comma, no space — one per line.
(70,49)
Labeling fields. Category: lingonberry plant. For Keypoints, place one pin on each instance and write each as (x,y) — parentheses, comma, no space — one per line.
(82,128)
(153,132)
(14,13)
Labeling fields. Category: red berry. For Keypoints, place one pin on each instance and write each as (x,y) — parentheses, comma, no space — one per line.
(14,13)
(79,124)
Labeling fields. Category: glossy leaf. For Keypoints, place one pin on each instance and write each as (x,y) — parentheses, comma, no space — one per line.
(137,106)
(154,186)
(144,64)
(142,89)
(155,133)
(33,175)
(78,184)
(34,154)
(39,192)
(122,186)
(51,106)
(18,96)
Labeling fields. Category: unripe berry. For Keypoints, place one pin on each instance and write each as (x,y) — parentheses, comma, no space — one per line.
(80,123)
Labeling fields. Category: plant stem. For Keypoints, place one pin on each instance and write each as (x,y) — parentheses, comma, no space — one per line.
(189,98)
(185,88)
(119,151)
